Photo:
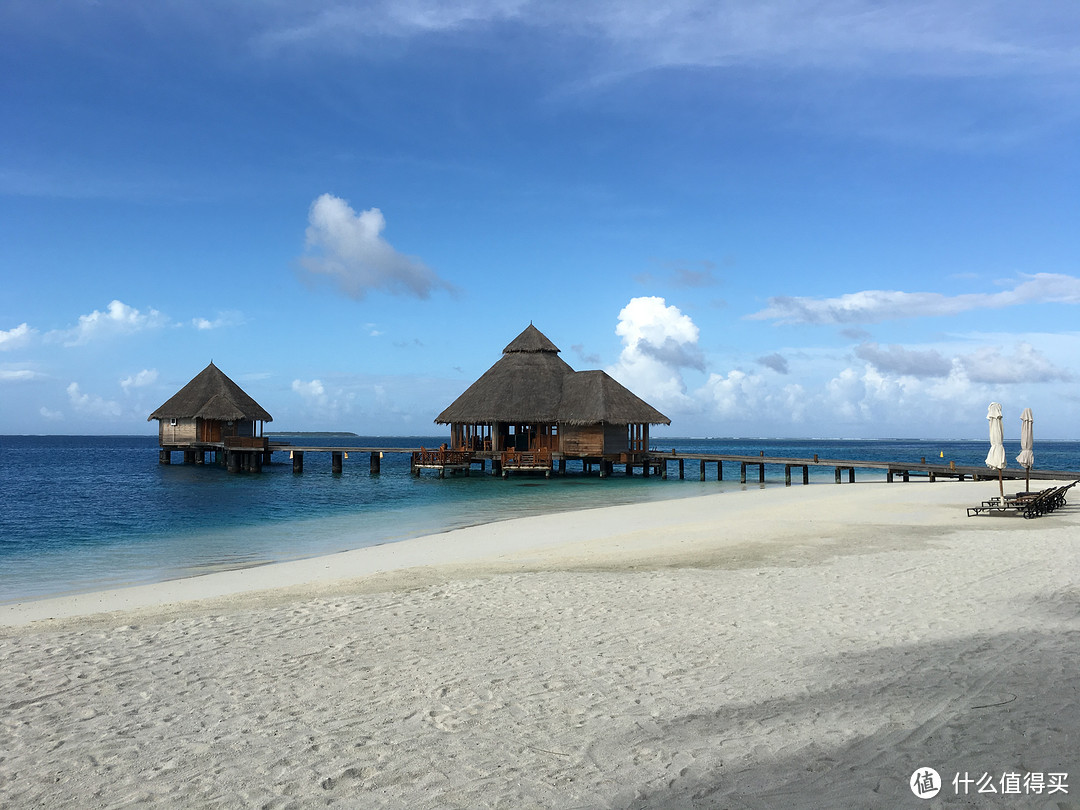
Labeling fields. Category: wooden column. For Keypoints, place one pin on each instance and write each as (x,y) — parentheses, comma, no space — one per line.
(298,461)
(335,461)
(681,471)
(761,474)
(806,473)
(838,475)
(719,471)
(376,462)
(787,475)
(256,460)
(232,461)
(889,477)
(742,472)
(701,471)
(164,457)
(851,475)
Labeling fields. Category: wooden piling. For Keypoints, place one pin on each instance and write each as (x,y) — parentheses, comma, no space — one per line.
(681,471)
(742,472)
(164,457)
(298,461)
(376,462)
(719,471)
(701,472)
(335,461)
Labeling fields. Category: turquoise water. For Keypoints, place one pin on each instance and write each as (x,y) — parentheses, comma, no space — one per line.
(82,513)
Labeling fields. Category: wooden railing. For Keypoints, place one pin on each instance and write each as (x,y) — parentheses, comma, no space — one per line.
(538,459)
(246,442)
(439,458)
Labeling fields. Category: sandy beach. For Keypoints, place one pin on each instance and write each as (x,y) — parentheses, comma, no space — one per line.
(811,646)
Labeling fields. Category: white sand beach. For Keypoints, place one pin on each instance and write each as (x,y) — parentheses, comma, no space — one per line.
(796,647)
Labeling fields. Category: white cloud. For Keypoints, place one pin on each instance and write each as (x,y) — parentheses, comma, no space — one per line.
(658,341)
(141,380)
(227,318)
(18,375)
(349,250)
(313,390)
(49,414)
(16,337)
(1025,365)
(912,362)
(91,404)
(874,306)
(117,319)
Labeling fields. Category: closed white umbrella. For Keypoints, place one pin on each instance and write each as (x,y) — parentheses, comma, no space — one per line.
(1026,459)
(995,459)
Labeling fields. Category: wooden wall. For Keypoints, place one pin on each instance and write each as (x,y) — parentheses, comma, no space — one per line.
(592,440)
(183,432)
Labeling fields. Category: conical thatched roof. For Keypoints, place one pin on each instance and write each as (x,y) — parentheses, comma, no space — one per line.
(211,395)
(594,397)
(524,386)
(531,384)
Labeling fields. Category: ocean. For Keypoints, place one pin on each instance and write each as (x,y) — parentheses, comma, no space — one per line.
(85,513)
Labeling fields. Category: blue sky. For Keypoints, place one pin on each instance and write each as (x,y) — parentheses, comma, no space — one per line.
(767,219)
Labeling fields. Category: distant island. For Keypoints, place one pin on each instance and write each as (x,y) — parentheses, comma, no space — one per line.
(324,433)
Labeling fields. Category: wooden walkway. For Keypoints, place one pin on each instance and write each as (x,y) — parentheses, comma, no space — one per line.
(660,463)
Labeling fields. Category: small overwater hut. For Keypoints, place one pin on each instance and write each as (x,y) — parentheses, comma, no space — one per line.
(532,401)
(210,413)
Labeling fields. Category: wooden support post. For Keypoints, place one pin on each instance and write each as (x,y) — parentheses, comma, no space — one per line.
(701,473)
(646,467)
(851,475)
(200,457)
(164,457)
(787,475)
(562,466)
(256,461)
(719,471)
(189,456)
(806,474)
(376,462)
(907,476)
(663,469)
(232,461)
(629,469)
(933,476)
(682,472)
(761,473)
(335,461)
(838,475)
(889,477)
(742,472)
(298,461)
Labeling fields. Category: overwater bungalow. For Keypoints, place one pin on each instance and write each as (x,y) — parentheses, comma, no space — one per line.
(210,413)
(532,402)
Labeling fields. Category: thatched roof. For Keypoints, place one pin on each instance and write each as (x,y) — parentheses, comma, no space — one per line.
(593,397)
(211,395)
(524,386)
(531,384)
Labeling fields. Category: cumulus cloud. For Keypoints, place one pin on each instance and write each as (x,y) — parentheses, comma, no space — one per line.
(776,362)
(658,341)
(1025,365)
(348,249)
(50,414)
(897,359)
(141,380)
(875,306)
(16,337)
(117,319)
(91,403)
(312,391)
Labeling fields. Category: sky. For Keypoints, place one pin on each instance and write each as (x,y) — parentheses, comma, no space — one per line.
(772,219)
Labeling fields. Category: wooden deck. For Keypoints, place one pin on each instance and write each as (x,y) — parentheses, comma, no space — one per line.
(653,462)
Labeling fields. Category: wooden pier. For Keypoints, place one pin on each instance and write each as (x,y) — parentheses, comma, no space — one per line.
(659,463)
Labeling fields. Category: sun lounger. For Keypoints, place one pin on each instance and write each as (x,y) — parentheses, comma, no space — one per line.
(1028,504)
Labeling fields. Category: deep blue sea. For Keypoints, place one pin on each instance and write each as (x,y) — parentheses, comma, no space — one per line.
(83,513)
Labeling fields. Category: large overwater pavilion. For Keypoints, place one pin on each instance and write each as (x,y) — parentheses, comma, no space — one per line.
(212,413)
(531,409)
